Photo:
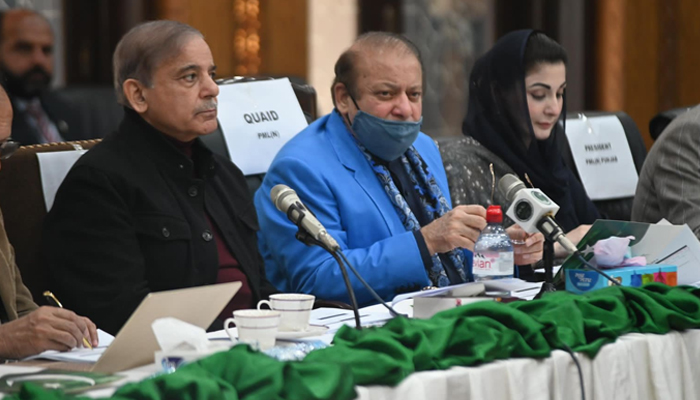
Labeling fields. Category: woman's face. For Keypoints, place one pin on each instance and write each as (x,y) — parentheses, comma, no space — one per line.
(545,84)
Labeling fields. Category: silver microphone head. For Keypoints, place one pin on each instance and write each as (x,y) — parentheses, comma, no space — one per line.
(278,193)
(509,185)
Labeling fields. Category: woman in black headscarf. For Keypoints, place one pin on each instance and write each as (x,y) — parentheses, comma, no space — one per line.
(516,98)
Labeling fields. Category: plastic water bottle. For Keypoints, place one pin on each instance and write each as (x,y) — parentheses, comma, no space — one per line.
(493,251)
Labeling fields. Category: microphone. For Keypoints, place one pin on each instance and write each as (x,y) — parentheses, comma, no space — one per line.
(287,201)
(533,211)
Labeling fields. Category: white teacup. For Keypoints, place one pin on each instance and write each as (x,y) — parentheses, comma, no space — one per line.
(255,327)
(294,307)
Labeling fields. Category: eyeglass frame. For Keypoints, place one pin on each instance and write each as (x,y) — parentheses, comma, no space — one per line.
(10,146)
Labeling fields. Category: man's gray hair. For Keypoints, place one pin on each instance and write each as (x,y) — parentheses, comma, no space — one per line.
(346,66)
(143,48)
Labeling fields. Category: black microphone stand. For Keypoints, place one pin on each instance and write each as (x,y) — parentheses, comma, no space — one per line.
(548,262)
(308,240)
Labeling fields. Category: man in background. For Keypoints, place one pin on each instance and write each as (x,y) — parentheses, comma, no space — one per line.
(669,184)
(26,70)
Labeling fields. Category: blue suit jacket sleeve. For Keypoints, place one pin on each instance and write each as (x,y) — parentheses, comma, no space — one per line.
(391,265)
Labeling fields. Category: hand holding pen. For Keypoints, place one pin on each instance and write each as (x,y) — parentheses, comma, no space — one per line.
(47,328)
(89,326)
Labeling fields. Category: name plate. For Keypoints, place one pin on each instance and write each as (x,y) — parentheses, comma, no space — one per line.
(257,119)
(602,156)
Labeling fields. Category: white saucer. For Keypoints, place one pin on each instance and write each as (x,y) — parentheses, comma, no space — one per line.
(312,330)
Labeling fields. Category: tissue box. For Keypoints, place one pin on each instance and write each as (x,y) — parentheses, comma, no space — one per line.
(426,307)
(584,280)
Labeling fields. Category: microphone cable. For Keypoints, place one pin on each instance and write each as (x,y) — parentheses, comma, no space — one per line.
(308,239)
(369,288)
(578,366)
(596,269)
(351,291)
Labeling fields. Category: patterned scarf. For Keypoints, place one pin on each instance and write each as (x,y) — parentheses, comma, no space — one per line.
(433,204)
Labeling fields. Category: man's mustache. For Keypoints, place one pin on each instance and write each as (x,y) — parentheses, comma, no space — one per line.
(37,69)
(208,105)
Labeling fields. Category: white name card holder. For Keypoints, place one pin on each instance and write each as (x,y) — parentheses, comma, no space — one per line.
(53,168)
(602,156)
(257,119)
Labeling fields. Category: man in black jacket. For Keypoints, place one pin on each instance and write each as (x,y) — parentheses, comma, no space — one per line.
(151,208)
(26,69)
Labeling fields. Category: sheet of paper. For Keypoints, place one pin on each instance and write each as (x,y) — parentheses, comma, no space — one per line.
(528,294)
(602,156)
(511,285)
(53,168)
(334,319)
(683,252)
(366,320)
(218,335)
(81,355)
(320,314)
(462,290)
(555,269)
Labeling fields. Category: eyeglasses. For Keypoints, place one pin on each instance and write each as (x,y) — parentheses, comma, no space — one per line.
(8,148)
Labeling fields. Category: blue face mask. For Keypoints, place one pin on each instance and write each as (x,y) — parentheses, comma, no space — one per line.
(385,139)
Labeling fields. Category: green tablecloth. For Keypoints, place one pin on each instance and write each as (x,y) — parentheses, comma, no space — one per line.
(470,335)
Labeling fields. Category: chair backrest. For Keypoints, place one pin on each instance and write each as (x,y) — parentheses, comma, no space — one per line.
(618,209)
(306,94)
(23,207)
(100,114)
(662,119)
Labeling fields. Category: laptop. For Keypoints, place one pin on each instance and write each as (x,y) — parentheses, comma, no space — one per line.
(135,344)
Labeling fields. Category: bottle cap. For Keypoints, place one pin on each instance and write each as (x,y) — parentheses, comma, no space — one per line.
(494,214)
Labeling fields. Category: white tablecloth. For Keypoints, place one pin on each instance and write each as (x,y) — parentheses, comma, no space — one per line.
(635,367)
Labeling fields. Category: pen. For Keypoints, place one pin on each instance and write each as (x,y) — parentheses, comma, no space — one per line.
(54,302)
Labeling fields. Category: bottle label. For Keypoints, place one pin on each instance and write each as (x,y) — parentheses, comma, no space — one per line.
(493,263)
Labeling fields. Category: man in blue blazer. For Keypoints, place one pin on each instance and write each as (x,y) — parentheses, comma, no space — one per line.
(377,185)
